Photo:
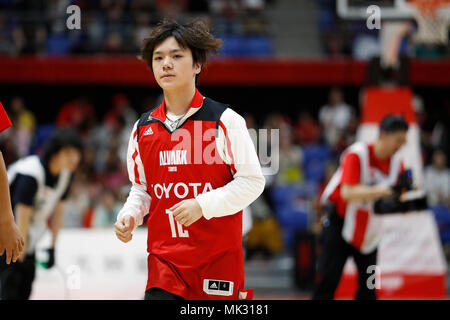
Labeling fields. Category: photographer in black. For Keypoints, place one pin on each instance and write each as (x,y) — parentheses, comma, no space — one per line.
(369,181)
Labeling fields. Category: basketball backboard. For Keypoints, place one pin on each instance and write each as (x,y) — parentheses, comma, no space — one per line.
(431,16)
(389,9)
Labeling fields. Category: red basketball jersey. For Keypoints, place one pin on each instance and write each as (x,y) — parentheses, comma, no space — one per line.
(204,260)
(5,123)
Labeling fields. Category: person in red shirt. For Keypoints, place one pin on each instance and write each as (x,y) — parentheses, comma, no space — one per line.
(193,169)
(351,171)
(367,173)
(11,240)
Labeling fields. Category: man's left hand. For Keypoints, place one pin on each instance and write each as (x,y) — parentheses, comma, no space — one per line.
(187,212)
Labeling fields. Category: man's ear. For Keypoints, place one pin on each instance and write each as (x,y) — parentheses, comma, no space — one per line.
(197,68)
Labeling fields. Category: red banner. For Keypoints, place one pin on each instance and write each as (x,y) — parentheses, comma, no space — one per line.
(126,70)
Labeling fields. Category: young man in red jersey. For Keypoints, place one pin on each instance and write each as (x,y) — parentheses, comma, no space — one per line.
(368,174)
(11,240)
(193,169)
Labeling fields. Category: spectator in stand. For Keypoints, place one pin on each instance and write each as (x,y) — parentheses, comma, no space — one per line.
(118,31)
(437,180)
(87,166)
(121,107)
(335,117)
(91,35)
(115,19)
(115,173)
(105,213)
(91,179)
(24,126)
(107,136)
(6,45)
(253,20)
(77,203)
(75,113)
(123,114)
(290,165)
(226,16)
(307,129)
(142,29)
(265,237)
(171,9)
(19,41)
(113,44)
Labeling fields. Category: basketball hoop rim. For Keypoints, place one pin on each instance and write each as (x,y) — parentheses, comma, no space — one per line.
(432,16)
(429,7)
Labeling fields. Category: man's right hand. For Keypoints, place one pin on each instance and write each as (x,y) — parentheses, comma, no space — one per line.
(124,228)
(11,241)
(404,183)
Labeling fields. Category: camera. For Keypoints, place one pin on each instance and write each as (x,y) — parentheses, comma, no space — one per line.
(393,204)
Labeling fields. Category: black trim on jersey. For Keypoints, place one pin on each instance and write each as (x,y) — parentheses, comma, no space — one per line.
(23,190)
(51,180)
(210,110)
(144,120)
(65,195)
(24,187)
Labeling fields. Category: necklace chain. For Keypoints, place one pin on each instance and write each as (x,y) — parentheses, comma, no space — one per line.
(173,123)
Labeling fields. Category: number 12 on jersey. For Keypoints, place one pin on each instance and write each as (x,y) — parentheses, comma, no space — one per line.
(181,233)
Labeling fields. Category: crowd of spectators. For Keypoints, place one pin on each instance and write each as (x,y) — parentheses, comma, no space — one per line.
(309,150)
(119,26)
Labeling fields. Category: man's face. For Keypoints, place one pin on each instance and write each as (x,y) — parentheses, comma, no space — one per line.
(173,65)
(439,160)
(335,96)
(393,141)
(69,158)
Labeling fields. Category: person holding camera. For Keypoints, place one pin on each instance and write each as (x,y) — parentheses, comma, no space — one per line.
(369,181)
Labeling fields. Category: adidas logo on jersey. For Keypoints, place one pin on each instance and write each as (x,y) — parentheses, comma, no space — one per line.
(213,285)
(148,132)
(218,287)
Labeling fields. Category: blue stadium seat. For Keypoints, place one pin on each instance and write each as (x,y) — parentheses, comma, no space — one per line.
(246,46)
(257,46)
(232,45)
(442,216)
(58,44)
(293,208)
(315,158)
(326,19)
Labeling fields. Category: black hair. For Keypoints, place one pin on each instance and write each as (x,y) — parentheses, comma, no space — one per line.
(194,35)
(393,123)
(60,139)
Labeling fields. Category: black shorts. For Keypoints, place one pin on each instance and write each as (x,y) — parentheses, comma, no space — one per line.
(160,294)
(16,279)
